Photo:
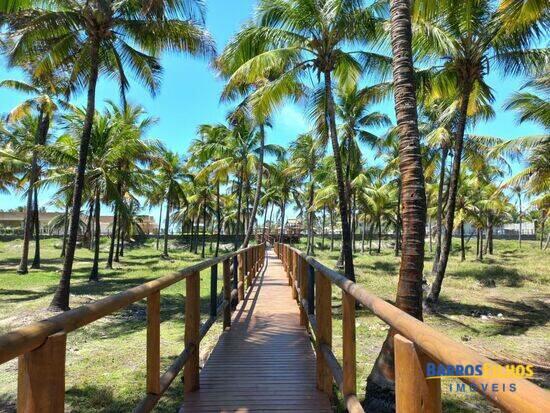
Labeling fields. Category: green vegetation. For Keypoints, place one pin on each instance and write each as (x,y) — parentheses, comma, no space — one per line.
(106,359)
(338,58)
(499,307)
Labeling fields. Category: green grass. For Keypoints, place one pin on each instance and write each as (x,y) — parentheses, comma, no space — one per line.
(521,294)
(106,359)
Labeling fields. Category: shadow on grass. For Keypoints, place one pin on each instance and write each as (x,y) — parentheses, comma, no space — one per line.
(518,316)
(485,274)
(8,403)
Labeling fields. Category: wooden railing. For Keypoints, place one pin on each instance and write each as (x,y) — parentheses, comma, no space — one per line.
(415,344)
(41,346)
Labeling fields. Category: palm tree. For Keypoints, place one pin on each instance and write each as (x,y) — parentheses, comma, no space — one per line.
(92,37)
(470,37)
(44,100)
(288,37)
(170,172)
(409,288)
(305,153)
(212,147)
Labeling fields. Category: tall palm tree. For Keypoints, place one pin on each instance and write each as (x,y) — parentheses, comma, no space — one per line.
(289,37)
(409,288)
(93,37)
(470,37)
(44,99)
(305,153)
(170,173)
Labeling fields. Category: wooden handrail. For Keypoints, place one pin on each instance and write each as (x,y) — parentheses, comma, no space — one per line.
(41,345)
(528,397)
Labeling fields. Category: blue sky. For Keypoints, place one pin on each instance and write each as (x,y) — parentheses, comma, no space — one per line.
(189,96)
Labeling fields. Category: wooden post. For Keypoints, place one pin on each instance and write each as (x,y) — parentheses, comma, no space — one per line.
(324,330)
(153,343)
(213,290)
(413,392)
(310,289)
(192,337)
(294,256)
(349,347)
(227,294)
(289,267)
(240,285)
(41,377)
(302,270)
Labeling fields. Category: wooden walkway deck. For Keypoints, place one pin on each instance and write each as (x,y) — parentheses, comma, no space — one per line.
(265,362)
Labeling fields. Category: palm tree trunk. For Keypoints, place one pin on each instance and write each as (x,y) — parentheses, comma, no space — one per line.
(379,235)
(219,218)
(239,207)
(462,247)
(520,221)
(481,244)
(490,239)
(380,383)
(371,232)
(323,229)
(311,245)
(118,239)
(265,220)
(364,230)
(88,237)
(160,224)
(433,296)
(60,299)
(397,223)
(113,236)
(203,229)
(543,221)
(439,216)
(192,234)
(27,234)
(282,231)
(331,230)
(353,222)
(260,173)
(36,260)
(431,233)
(342,196)
(94,274)
(122,238)
(166,226)
(196,242)
(477,243)
(65,229)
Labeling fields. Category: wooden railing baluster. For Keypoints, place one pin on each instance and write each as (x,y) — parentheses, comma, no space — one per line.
(41,377)
(413,393)
(235,275)
(303,270)
(153,343)
(349,346)
(227,293)
(213,290)
(310,289)
(324,330)
(192,332)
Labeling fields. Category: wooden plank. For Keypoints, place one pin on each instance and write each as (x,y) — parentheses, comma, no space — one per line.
(153,343)
(324,330)
(227,293)
(413,393)
(270,351)
(349,345)
(192,333)
(41,377)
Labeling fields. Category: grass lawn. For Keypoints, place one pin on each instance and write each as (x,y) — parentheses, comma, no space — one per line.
(500,307)
(106,360)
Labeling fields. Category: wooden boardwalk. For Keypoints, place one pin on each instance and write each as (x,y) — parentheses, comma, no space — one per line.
(265,362)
